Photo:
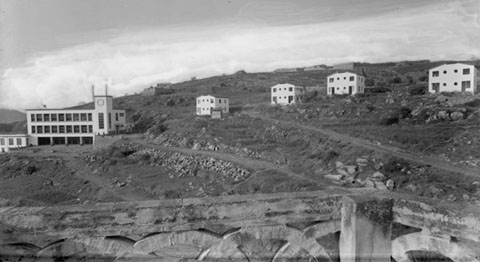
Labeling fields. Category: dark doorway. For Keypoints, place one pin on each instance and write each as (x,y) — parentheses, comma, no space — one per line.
(350,90)
(43,141)
(59,140)
(333,90)
(73,140)
(88,140)
(290,99)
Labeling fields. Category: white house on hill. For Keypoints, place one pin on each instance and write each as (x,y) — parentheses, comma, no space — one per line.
(346,83)
(206,103)
(286,94)
(453,78)
(9,141)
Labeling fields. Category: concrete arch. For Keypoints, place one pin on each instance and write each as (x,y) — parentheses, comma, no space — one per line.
(419,241)
(189,244)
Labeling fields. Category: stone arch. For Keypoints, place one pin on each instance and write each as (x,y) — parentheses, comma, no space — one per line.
(419,241)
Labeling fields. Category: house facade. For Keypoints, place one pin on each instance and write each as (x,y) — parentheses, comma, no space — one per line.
(346,83)
(10,141)
(75,126)
(205,104)
(453,78)
(287,94)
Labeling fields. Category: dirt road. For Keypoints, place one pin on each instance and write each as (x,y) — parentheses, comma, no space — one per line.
(386,149)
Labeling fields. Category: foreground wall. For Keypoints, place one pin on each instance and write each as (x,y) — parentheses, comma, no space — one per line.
(331,225)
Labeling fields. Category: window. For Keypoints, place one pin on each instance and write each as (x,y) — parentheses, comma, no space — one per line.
(54,117)
(465,85)
(455,71)
(122,114)
(68,117)
(90,129)
(54,129)
(61,129)
(435,74)
(19,141)
(352,78)
(61,117)
(33,130)
(466,71)
(39,129)
(84,129)
(47,129)
(455,83)
(89,116)
(444,72)
(444,84)
(10,142)
(199,101)
(211,100)
(101,121)
(76,129)
(46,117)
(32,117)
(436,87)
(39,118)
(2,141)
(69,129)
(76,117)
(338,78)
(109,120)
(83,117)
(344,78)
(331,80)
(290,89)
(219,101)
(274,90)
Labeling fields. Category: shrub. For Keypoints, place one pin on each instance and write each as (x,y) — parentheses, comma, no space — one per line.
(395,165)
(376,90)
(391,120)
(405,112)
(370,108)
(396,80)
(423,78)
(369,82)
(417,90)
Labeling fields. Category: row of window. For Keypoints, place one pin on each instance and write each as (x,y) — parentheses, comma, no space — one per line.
(211,100)
(200,109)
(465,85)
(332,79)
(10,141)
(290,89)
(61,117)
(465,71)
(62,129)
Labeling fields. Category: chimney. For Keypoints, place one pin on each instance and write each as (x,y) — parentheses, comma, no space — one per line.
(93,93)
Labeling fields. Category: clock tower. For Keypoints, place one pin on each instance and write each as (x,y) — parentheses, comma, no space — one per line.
(102,116)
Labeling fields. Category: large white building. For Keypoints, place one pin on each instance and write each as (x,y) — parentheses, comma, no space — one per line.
(286,94)
(346,83)
(9,141)
(206,103)
(75,126)
(453,78)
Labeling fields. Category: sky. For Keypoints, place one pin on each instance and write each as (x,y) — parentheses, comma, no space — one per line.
(52,51)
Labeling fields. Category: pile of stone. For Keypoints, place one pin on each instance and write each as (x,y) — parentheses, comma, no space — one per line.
(348,174)
(186,165)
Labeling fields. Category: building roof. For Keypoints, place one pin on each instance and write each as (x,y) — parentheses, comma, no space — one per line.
(14,135)
(451,64)
(346,71)
(212,96)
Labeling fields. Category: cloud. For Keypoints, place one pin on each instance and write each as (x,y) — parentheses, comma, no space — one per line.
(135,59)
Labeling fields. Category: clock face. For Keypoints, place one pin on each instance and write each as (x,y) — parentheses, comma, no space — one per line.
(100,102)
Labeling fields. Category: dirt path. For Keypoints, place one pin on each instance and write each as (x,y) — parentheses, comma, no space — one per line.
(257,165)
(386,149)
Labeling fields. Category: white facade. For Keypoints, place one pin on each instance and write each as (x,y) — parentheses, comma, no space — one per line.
(75,126)
(453,78)
(9,141)
(287,94)
(206,103)
(345,84)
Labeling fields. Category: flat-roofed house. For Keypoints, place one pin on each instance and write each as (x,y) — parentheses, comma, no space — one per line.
(287,94)
(10,141)
(346,83)
(75,125)
(457,77)
(206,103)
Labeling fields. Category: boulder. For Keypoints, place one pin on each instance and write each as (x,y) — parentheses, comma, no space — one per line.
(390,184)
(369,183)
(351,169)
(334,177)
(338,164)
(455,116)
(380,185)
(443,115)
(342,172)
(378,176)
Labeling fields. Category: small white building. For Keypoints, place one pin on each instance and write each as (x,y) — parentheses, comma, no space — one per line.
(286,94)
(346,83)
(206,103)
(453,78)
(75,125)
(9,141)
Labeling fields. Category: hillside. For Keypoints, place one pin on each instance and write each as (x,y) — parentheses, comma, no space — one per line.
(395,137)
(9,116)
